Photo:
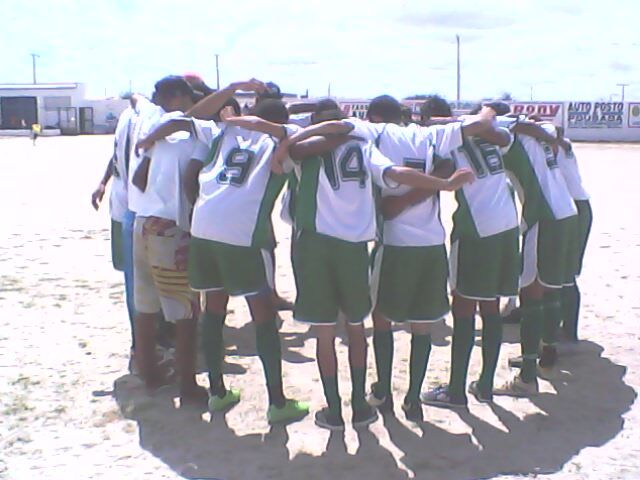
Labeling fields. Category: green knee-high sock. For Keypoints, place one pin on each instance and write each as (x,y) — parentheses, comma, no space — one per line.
(330,387)
(358,377)
(268,346)
(383,351)
(571,310)
(213,348)
(491,342)
(552,317)
(420,351)
(463,335)
(530,333)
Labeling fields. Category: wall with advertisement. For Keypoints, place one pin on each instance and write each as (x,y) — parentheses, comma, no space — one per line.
(603,121)
(550,111)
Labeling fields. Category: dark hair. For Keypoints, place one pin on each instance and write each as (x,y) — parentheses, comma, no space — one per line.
(326,109)
(387,108)
(435,106)
(272,92)
(476,110)
(272,110)
(233,103)
(172,86)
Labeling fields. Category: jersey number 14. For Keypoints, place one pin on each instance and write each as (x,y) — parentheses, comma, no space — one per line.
(348,168)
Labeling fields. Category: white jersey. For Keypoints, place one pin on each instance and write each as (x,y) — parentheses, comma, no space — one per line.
(335,194)
(485,207)
(164,196)
(118,200)
(148,116)
(412,146)
(237,188)
(554,188)
(571,172)
(300,119)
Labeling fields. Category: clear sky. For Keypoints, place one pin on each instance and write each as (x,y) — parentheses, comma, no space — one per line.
(562,49)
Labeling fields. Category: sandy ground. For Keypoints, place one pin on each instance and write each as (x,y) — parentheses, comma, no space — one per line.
(70,410)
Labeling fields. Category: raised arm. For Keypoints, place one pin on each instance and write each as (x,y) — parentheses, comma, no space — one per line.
(212,104)
(162,131)
(316,146)
(534,130)
(413,178)
(258,124)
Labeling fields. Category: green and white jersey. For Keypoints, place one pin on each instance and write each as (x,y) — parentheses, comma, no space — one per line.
(485,207)
(569,168)
(549,175)
(415,147)
(237,188)
(335,193)
(529,175)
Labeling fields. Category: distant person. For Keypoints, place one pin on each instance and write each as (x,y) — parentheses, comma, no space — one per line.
(35,132)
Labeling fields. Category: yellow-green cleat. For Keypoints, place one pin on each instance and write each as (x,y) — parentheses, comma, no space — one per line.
(291,411)
(217,404)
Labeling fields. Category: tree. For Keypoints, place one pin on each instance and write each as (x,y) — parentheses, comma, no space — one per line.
(507,97)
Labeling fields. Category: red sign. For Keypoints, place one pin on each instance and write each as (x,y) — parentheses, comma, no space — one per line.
(547,111)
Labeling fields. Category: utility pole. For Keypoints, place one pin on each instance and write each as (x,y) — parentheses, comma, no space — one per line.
(622,85)
(33,64)
(531,92)
(458,72)
(217,73)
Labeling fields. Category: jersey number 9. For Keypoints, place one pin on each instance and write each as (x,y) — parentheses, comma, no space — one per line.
(237,165)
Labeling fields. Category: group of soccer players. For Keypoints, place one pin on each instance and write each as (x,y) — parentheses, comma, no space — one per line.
(195,184)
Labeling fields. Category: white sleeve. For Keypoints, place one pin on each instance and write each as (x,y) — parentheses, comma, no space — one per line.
(366,130)
(512,137)
(291,128)
(447,138)
(378,165)
(200,151)
(205,131)
(550,129)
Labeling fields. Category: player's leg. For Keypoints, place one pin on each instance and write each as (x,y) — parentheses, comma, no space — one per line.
(350,264)
(147,304)
(571,294)
(317,305)
(556,271)
(204,276)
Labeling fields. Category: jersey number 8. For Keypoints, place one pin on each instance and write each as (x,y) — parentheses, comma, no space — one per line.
(237,164)
(349,168)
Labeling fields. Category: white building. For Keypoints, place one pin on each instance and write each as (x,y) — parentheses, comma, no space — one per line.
(60,106)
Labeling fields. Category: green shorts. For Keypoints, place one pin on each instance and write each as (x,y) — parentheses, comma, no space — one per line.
(485,268)
(234,269)
(409,284)
(580,234)
(332,276)
(546,254)
(117,252)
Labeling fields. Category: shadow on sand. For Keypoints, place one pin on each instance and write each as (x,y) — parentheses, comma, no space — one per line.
(586,411)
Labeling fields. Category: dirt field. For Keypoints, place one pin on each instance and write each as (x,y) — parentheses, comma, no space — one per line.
(70,411)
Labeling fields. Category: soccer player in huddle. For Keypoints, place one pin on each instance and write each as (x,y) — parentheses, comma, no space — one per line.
(227,256)
(484,258)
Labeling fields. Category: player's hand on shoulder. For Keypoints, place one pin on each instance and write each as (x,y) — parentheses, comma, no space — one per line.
(460,177)
(97,196)
(143,144)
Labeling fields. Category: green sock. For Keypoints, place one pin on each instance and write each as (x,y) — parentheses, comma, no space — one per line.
(491,342)
(570,311)
(268,346)
(383,351)
(330,387)
(530,333)
(213,348)
(420,350)
(552,317)
(462,344)
(358,377)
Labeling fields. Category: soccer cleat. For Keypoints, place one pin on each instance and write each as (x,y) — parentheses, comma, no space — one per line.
(413,410)
(325,419)
(474,389)
(364,416)
(516,387)
(231,397)
(439,397)
(292,410)
(382,402)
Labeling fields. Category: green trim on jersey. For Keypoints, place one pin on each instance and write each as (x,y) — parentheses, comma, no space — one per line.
(307,203)
(517,162)
(463,224)
(263,232)
(214,150)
